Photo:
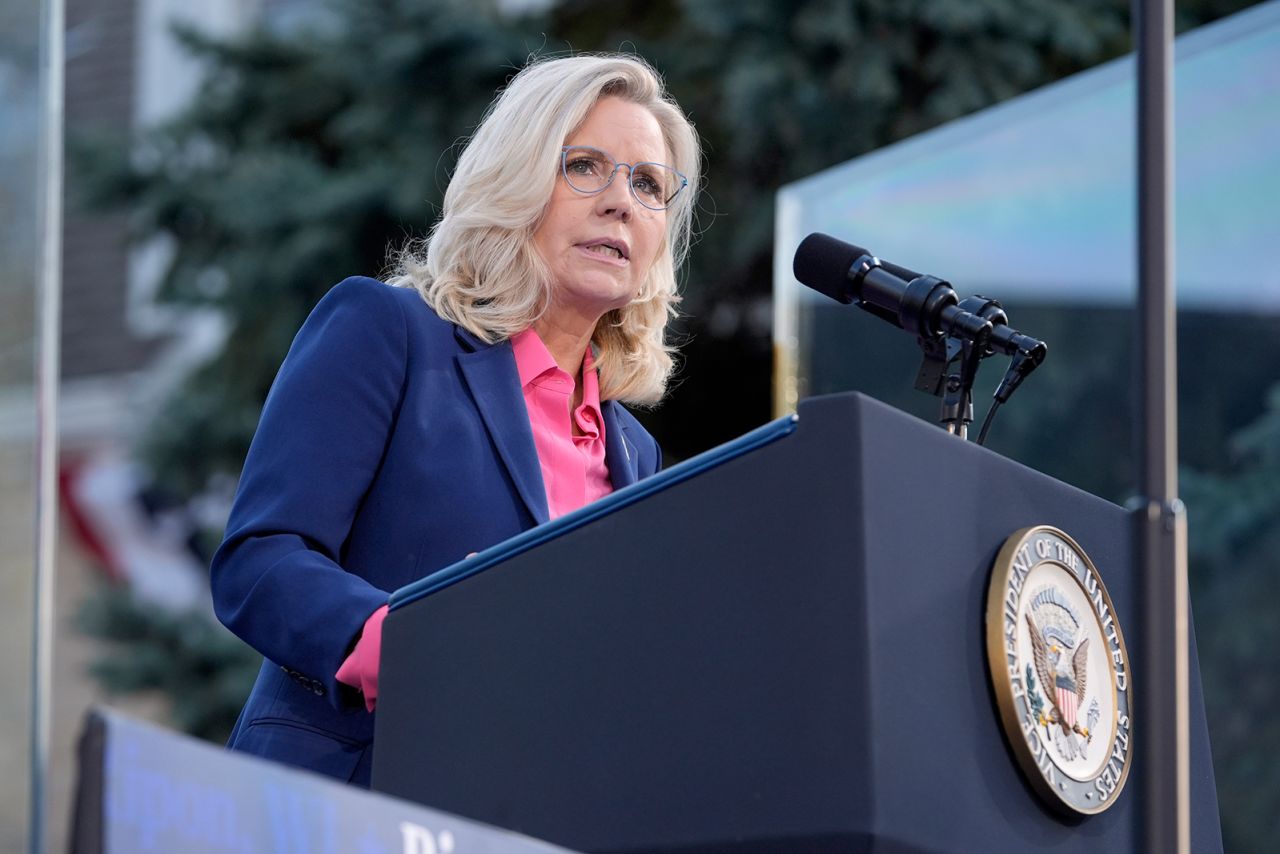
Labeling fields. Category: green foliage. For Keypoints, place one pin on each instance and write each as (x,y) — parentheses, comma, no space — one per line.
(198,665)
(1233,543)
(782,90)
(1037,702)
(306,156)
(301,160)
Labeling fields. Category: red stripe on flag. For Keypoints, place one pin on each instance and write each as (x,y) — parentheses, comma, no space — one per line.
(1067,702)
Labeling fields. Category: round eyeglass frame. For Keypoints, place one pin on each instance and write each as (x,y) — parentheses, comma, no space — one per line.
(631,167)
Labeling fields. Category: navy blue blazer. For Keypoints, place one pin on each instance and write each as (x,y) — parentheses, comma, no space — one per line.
(392,444)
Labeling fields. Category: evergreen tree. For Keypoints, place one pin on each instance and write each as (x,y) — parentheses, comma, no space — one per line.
(1235,585)
(302,159)
(307,155)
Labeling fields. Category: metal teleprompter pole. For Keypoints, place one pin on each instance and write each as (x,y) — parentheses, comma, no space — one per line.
(48,341)
(1160,516)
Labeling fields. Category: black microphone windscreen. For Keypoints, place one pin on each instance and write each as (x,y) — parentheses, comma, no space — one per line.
(823,263)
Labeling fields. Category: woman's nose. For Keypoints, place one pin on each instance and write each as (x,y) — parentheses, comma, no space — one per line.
(616,199)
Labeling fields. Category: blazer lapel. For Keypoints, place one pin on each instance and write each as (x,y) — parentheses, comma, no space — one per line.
(619,451)
(490,373)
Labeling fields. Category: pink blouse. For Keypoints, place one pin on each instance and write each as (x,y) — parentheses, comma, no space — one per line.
(574,472)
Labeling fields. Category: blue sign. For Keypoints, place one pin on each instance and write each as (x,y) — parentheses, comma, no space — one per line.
(144,789)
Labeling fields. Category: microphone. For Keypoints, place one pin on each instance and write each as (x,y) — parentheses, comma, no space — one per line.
(923,305)
(926,307)
(945,327)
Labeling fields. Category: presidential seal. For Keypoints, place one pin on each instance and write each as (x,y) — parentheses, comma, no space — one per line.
(1060,670)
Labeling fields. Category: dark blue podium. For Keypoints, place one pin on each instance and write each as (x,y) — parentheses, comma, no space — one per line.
(776,646)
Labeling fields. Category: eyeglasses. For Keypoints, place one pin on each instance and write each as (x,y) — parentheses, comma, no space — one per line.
(589,170)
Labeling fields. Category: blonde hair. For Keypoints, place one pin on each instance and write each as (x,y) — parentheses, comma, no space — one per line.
(478,267)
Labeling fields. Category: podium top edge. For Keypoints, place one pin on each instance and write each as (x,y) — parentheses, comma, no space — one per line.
(612,503)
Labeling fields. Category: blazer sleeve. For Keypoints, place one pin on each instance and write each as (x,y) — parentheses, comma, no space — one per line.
(277,579)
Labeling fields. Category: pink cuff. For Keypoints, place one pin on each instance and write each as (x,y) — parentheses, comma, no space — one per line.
(360,670)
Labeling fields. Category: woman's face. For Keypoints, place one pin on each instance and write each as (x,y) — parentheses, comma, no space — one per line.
(600,247)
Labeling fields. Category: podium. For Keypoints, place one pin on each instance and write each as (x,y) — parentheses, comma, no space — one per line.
(776,646)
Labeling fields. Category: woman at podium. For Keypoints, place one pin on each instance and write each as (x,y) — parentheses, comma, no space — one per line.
(475,395)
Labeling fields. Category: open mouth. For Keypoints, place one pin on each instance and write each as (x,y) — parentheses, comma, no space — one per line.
(607,250)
